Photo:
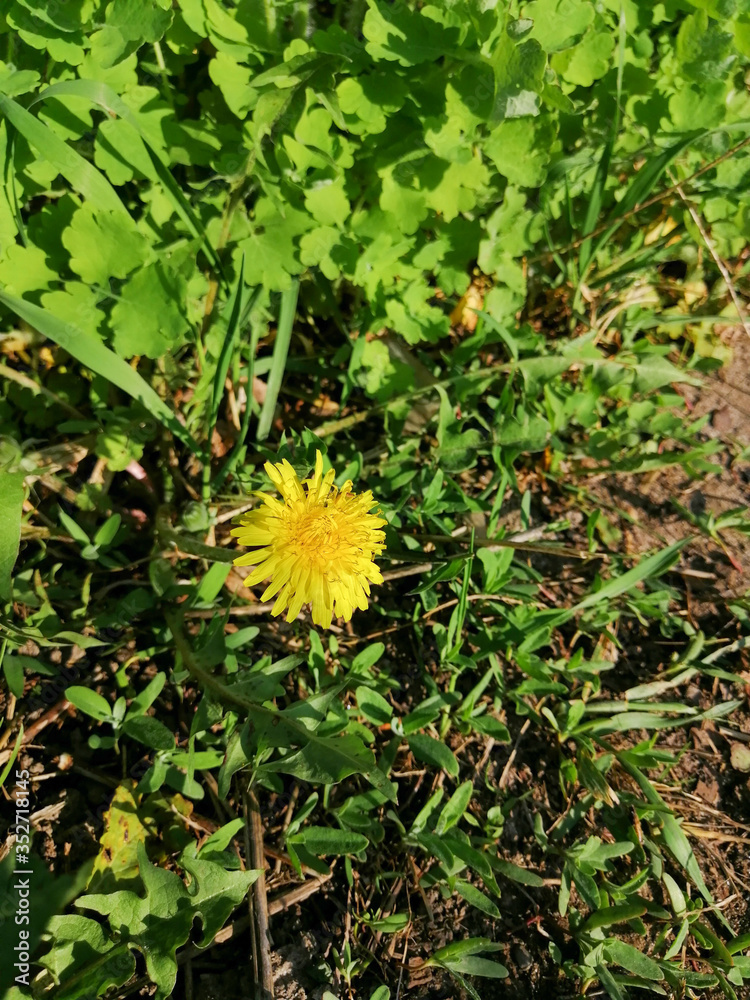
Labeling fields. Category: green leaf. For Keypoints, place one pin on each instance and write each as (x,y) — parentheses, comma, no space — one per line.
(83,177)
(287,313)
(704,51)
(149,731)
(233,80)
(558,24)
(103,245)
(11,511)
(148,318)
(373,706)
(609,915)
(588,61)
(472,965)
(326,760)
(520,148)
(633,960)
(671,832)
(517,874)
(13,670)
(157,923)
(94,355)
(89,702)
(25,269)
(476,898)
(454,808)
(83,955)
(215,893)
(140,20)
(518,68)
(459,949)
(647,569)
(327,840)
(399,34)
(432,751)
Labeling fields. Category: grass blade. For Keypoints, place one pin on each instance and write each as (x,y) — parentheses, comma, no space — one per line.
(85,178)
(228,347)
(672,834)
(278,363)
(646,569)
(92,353)
(239,451)
(13,756)
(11,509)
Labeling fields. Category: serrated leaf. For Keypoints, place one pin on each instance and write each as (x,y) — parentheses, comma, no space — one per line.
(103,245)
(399,34)
(157,923)
(215,893)
(149,317)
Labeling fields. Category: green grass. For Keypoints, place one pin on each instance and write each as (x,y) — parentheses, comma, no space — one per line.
(454,247)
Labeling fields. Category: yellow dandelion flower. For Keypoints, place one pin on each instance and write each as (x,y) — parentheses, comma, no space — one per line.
(316,545)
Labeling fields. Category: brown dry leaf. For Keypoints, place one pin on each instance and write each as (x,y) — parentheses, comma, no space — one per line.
(464,314)
(739,756)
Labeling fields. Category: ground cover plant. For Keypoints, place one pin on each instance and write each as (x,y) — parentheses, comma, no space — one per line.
(464,284)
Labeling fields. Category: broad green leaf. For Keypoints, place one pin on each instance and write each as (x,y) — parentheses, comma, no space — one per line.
(373,706)
(90,702)
(518,68)
(160,921)
(328,840)
(432,751)
(404,35)
(85,958)
(149,731)
(103,245)
(630,958)
(215,893)
(454,808)
(149,316)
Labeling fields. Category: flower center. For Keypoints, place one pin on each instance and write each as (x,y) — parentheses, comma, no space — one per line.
(316,535)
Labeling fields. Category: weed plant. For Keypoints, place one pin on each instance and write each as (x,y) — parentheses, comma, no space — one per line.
(473,253)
